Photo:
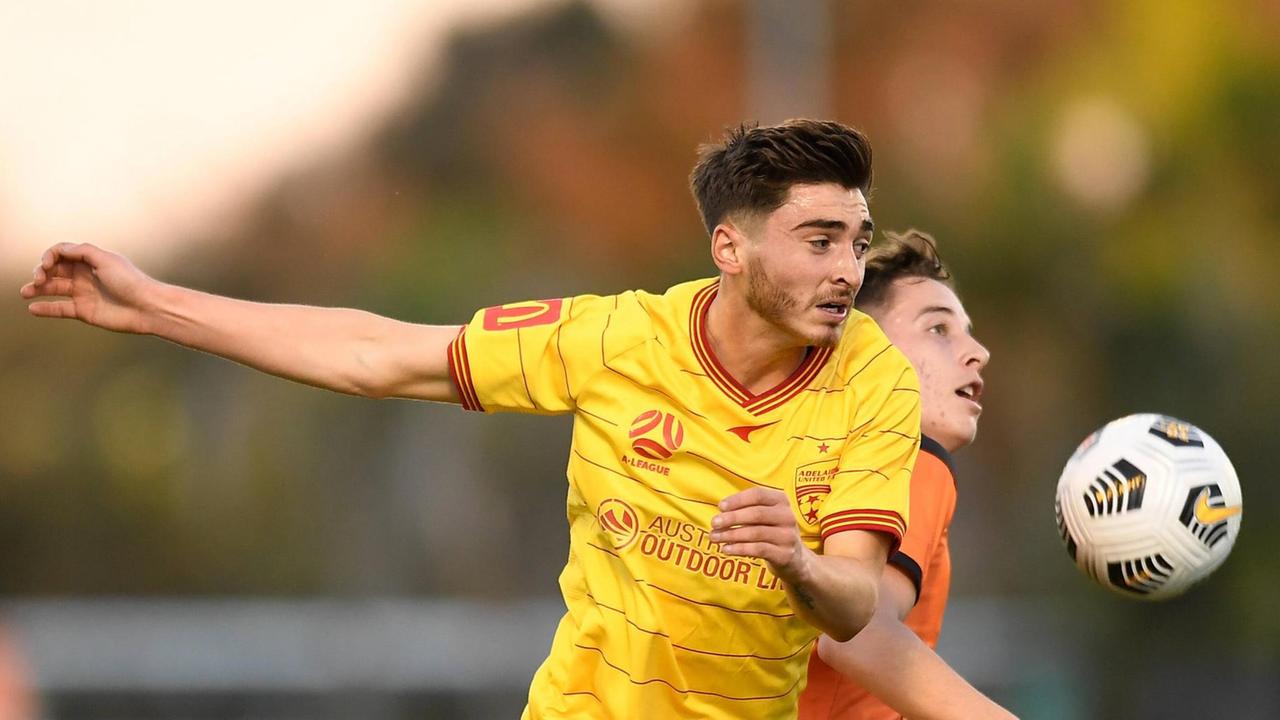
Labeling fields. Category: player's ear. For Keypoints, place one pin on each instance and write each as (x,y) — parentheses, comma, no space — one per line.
(727,246)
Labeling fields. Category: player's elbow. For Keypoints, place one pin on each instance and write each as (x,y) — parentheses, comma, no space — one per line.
(860,610)
(366,376)
(378,388)
(857,615)
(844,634)
(849,628)
(378,373)
(403,360)
(371,391)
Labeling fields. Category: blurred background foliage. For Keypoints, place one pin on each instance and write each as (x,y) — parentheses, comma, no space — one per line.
(1102,176)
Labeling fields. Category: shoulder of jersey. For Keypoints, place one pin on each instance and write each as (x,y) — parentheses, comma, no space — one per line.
(665,314)
(864,345)
(636,316)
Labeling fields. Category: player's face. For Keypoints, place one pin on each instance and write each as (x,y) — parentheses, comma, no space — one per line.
(805,264)
(926,320)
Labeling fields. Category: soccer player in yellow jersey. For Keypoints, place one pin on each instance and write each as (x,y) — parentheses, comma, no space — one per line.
(741,446)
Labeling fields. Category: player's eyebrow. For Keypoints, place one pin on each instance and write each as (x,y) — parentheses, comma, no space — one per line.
(943,309)
(821,224)
(829,224)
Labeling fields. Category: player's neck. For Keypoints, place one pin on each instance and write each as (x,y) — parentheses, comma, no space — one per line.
(754,351)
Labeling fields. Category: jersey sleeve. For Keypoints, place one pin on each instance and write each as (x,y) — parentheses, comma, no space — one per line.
(933,502)
(529,356)
(871,487)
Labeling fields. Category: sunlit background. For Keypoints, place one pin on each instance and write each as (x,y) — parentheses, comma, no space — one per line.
(183,538)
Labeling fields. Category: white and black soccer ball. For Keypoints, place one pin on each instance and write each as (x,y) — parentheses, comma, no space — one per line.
(1148,506)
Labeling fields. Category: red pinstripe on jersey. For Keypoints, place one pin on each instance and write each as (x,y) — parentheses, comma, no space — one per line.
(885,521)
(460,372)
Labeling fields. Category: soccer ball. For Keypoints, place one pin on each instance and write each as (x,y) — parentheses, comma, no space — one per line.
(1148,506)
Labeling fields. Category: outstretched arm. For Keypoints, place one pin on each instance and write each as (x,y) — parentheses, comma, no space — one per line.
(349,351)
(890,661)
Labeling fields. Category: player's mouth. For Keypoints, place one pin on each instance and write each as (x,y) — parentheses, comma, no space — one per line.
(837,310)
(972,392)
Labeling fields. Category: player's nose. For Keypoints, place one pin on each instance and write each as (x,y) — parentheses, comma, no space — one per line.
(845,268)
(976,355)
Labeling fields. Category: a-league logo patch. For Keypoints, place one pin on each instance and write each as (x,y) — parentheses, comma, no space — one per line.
(656,435)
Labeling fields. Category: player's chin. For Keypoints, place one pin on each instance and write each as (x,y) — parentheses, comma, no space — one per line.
(825,334)
(825,340)
(962,432)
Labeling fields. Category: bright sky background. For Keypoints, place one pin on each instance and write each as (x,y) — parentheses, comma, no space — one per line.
(134,122)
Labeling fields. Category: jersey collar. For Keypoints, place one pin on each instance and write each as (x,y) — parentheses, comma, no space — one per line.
(934,448)
(771,399)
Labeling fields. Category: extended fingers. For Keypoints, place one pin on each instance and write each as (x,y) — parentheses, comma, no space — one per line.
(68,251)
(53,309)
(59,259)
(55,263)
(769,544)
(771,534)
(51,278)
(765,551)
(754,515)
(51,257)
(55,286)
(753,496)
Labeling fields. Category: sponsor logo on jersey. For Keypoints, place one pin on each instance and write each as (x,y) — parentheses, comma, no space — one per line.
(618,522)
(647,466)
(744,431)
(530,313)
(1205,513)
(656,435)
(688,547)
(681,544)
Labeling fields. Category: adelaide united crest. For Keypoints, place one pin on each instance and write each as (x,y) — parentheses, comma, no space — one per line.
(812,486)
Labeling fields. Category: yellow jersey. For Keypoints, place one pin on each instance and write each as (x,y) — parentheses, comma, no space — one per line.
(660,624)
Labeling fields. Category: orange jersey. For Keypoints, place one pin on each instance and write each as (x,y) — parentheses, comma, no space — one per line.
(660,623)
(925,558)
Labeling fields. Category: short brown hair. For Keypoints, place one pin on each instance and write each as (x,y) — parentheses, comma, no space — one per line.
(912,254)
(754,167)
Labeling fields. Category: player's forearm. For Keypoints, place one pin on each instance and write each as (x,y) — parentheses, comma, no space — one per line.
(349,351)
(897,667)
(835,594)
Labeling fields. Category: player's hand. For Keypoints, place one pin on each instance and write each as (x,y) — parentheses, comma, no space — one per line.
(760,523)
(91,285)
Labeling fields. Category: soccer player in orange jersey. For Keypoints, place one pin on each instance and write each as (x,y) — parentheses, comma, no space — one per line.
(742,445)
(890,669)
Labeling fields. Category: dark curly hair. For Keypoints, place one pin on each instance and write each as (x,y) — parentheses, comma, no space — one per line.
(754,167)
